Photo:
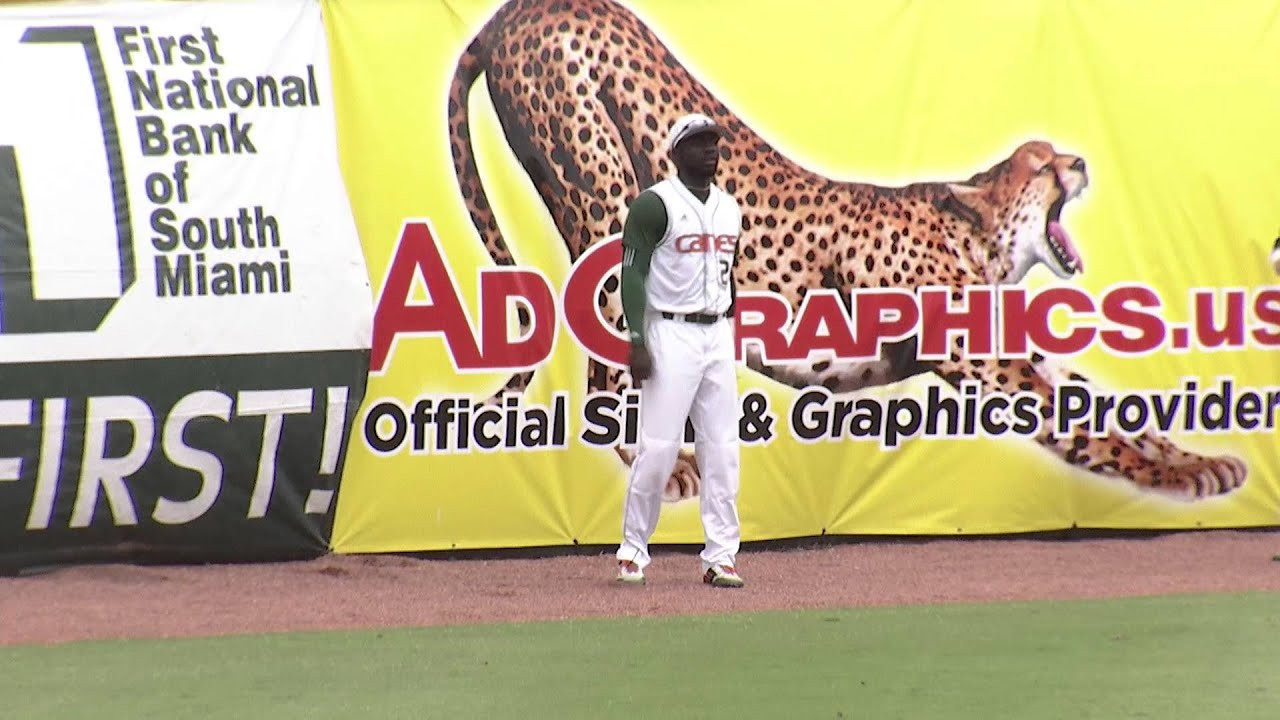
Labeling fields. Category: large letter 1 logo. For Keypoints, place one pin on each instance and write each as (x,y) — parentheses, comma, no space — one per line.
(20,311)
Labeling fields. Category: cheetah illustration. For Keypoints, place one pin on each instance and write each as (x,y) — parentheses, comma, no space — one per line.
(584,93)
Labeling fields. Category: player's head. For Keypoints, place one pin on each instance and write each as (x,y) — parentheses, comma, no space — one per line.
(693,143)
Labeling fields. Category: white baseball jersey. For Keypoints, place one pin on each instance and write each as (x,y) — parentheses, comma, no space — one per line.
(690,270)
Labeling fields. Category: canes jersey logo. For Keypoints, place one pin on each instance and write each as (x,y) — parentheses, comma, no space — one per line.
(706,243)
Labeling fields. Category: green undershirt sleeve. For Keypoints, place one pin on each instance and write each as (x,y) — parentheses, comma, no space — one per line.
(646,224)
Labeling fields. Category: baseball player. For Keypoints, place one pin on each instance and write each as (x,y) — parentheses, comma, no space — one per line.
(680,241)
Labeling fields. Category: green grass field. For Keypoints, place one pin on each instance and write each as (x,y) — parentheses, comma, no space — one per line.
(1202,657)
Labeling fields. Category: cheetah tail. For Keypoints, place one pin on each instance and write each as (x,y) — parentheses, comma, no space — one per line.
(470,66)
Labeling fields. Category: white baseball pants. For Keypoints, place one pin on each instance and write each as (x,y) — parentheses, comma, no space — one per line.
(693,377)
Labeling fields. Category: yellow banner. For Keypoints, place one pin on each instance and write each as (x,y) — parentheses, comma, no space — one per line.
(1004,266)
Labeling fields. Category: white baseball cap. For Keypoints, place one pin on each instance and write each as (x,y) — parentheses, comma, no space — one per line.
(691,124)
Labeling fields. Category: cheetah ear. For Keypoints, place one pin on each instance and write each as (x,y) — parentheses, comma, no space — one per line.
(964,192)
(970,202)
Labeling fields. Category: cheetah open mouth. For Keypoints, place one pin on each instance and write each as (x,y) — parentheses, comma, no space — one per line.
(1064,251)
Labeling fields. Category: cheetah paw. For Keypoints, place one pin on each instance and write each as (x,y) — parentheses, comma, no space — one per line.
(685,481)
(1204,478)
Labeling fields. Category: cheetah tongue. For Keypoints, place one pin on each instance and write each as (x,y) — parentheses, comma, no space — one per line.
(1058,234)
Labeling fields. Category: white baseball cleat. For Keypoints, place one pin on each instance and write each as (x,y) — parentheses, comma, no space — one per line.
(630,573)
(724,576)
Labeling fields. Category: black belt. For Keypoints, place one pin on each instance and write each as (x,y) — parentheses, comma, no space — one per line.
(698,318)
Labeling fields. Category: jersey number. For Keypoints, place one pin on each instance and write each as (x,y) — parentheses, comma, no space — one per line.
(724,273)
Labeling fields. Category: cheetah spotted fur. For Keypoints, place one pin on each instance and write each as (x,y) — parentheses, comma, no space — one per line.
(584,92)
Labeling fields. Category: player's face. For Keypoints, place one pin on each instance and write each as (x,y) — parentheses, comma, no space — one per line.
(699,154)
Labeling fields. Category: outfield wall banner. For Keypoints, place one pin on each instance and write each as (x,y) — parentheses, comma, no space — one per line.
(185,314)
(1003,266)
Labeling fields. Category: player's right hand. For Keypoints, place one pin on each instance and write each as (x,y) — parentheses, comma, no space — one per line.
(641,365)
